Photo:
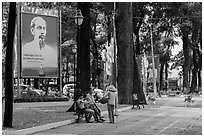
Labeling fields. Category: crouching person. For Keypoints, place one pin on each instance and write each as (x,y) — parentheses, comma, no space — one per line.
(83,110)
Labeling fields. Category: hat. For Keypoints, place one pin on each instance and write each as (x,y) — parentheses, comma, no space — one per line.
(111,88)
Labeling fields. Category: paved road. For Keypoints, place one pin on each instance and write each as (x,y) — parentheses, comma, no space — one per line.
(171,118)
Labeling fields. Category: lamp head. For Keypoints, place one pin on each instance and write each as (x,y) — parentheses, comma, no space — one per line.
(74,49)
(79,18)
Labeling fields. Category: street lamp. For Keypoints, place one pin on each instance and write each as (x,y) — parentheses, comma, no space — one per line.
(67,70)
(78,20)
(74,50)
(63,74)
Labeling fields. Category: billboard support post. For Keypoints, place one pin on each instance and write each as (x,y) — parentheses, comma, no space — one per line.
(60,50)
(18,48)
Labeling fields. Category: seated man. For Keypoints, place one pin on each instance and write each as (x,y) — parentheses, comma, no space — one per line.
(92,105)
(82,109)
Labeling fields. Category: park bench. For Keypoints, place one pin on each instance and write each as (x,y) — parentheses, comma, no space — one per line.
(137,102)
(80,114)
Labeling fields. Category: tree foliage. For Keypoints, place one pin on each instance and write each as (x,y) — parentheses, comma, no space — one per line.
(168,20)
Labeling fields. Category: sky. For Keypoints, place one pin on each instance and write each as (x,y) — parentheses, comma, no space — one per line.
(175,51)
(177,48)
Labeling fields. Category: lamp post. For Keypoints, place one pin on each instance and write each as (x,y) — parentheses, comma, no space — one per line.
(63,75)
(74,50)
(153,63)
(78,20)
(67,70)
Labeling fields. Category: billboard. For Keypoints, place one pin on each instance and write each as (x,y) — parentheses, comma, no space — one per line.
(39,45)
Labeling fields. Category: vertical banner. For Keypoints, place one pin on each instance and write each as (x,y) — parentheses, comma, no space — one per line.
(39,43)
(150,68)
(145,68)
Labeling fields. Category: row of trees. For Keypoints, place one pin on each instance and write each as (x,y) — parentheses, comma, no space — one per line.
(167,21)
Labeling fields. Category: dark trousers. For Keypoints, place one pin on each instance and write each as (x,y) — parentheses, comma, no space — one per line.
(97,114)
(111,113)
(89,112)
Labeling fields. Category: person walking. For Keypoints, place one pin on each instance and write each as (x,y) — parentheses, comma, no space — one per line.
(111,93)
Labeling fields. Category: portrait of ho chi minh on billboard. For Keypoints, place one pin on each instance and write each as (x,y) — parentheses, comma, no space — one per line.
(39,46)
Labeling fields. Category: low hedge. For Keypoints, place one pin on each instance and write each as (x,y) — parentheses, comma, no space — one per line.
(44,99)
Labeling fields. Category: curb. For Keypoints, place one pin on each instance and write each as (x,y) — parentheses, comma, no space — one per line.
(33,130)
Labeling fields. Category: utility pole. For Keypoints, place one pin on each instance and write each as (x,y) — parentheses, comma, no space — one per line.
(153,63)
(60,56)
(114,70)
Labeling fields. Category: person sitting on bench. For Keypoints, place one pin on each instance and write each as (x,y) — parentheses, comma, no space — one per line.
(82,109)
(92,105)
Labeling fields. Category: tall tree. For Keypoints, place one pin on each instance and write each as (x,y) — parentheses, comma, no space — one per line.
(139,13)
(8,114)
(186,28)
(196,9)
(124,35)
(84,56)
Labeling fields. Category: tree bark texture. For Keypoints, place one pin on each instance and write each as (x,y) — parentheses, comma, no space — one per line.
(137,83)
(161,77)
(194,82)
(124,32)
(8,114)
(166,75)
(186,64)
(95,68)
(85,47)
(137,23)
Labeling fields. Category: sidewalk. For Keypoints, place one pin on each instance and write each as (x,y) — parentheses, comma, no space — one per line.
(170,116)
(49,126)
(151,120)
(177,102)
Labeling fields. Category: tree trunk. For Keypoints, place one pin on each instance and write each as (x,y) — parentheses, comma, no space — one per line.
(199,81)
(194,83)
(84,56)
(136,28)
(95,67)
(8,114)
(199,68)
(186,64)
(161,77)
(166,75)
(137,83)
(124,31)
